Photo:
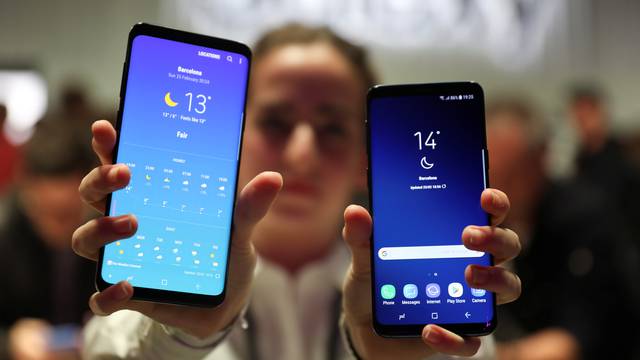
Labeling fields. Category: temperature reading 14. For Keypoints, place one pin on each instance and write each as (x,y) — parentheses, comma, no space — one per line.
(429,142)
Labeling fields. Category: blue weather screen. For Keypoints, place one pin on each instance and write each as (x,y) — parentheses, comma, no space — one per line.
(180,136)
(427,171)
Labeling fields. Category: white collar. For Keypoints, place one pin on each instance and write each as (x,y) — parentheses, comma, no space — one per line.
(333,267)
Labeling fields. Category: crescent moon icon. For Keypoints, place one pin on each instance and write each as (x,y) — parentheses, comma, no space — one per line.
(168,101)
(425,164)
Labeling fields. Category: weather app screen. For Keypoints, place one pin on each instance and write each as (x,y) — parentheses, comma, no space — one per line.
(180,137)
(428,164)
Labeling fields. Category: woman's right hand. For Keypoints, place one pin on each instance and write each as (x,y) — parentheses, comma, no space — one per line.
(252,204)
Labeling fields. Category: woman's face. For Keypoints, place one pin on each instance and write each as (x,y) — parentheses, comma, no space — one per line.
(305,120)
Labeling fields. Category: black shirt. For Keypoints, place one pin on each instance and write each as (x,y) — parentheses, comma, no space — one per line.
(578,272)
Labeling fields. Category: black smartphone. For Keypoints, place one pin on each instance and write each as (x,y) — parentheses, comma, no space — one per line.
(427,169)
(179,125)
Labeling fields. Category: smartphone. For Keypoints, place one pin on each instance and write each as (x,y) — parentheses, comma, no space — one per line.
(179,125)
(427,169)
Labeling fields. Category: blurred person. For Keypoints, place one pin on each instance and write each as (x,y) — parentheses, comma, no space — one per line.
(9,155)
(44,284)
(602,160)
(305,120)
(574,263)
(75,105)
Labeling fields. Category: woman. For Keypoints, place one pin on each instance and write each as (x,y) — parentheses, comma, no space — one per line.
(303,159)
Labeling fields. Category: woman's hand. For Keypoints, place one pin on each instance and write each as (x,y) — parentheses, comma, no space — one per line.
(252,204)
(503,244)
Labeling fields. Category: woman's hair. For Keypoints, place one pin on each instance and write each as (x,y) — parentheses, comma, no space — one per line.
(294,33)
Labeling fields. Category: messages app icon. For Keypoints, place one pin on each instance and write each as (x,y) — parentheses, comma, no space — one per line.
(410,291)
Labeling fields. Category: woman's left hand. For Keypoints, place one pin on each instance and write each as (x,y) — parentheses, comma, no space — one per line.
(503,244)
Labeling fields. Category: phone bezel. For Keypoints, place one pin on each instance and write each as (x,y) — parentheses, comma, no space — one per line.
(399,90)
(159,295)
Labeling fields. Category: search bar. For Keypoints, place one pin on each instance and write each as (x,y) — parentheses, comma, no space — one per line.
(427,252)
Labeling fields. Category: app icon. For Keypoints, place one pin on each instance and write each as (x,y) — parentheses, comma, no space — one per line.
(433,290)
(478,292)
(455,290)
(410,291)
(388,291)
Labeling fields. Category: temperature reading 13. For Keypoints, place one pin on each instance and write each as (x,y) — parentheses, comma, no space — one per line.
(429,142)
(201,106)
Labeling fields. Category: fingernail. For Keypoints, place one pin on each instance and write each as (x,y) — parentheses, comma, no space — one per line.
(113,173)
(432,336)
(475,236)
(480,276)
(122,225)
(122,292)
(496,201)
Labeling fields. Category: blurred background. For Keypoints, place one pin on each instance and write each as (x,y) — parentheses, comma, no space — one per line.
(536,47)
(561,82)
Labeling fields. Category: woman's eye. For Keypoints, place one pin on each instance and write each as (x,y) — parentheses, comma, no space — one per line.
(275,126)
(334,130)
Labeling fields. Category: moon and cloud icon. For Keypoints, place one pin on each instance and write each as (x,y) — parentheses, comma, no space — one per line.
(168,101)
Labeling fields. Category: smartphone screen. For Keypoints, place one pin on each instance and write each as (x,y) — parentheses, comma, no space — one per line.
(179,132)
(427,170)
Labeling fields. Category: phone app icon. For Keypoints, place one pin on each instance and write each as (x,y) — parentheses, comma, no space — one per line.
(433,290)
(478,292)
(455,289)
(410,291)
(388,291)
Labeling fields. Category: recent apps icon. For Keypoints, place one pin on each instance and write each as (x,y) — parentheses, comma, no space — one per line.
(455,289)
(410,291)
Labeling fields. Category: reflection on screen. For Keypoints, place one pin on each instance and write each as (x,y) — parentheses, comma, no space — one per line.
(428,171)
(180,136)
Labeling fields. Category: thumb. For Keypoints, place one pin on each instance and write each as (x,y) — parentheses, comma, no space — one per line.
(112,299)
(357,234)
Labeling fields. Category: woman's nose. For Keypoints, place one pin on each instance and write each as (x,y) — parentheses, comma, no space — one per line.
(301,153)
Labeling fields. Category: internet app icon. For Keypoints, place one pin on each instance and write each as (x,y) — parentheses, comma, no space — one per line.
(410,291)
(388,291)
(433,290)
